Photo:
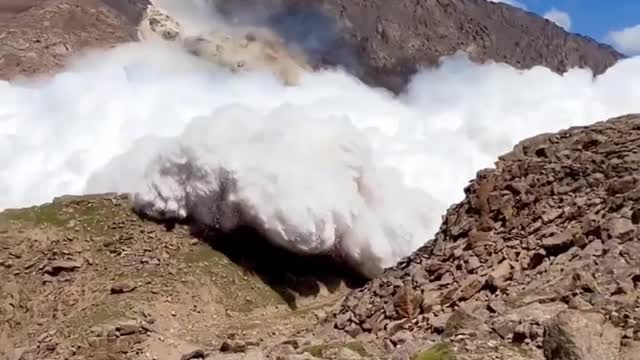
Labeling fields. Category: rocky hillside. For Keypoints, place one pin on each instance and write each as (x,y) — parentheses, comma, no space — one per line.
(382,42)
(543,256)
(86,278)
(37,36)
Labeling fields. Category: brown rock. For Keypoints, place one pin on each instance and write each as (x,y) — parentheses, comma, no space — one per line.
(128,327)
(473,263)
(499,277)
(122,287)
(621,228)
(622,185)
(469,287)
(233,346)
(56,267)
(576,335)
(195,354)
(558,243)
(463,320)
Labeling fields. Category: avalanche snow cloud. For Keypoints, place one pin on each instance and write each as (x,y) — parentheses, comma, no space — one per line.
(330,165)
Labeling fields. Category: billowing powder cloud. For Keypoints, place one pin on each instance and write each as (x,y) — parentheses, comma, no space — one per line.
(626,40)
(560,18)
(329,165)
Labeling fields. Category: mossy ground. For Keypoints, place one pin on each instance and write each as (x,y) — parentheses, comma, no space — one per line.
(440,351)
(323,351)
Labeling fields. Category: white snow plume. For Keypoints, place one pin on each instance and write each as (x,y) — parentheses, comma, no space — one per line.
(309,184)
(328,165)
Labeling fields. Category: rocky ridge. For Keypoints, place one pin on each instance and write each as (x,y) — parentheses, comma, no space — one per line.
(383,43)
(543,254)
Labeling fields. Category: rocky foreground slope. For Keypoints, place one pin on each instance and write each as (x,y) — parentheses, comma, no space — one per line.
(86,278)
(543,255)
(382,42)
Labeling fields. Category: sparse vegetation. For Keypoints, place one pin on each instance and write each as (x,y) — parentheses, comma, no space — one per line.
(440,351)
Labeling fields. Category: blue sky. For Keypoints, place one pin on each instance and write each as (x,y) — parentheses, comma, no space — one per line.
(599,19)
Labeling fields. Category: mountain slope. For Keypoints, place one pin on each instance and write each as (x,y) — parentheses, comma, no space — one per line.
(38,36)
(85,277)
(552,230)
(384,42)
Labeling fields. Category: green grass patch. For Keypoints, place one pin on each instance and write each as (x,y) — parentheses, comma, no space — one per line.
(48,214)
(316,350)
(440,351)
(321,350)
(357,347)
(90,217)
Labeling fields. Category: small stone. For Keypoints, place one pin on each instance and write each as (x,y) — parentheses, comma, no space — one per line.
(439,323)
(622,229)
(595,248)
(233,346)
(469,287)
(319,314)
(622,185)
(401,337)
(56,267)
(195,354)
(473,263)
(499,277)
(521,333)
(558,243)
(497,306)
(128,327)
(578,303)
(122,287)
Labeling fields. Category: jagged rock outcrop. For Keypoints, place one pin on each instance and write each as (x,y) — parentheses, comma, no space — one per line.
(553,228)
(384,42)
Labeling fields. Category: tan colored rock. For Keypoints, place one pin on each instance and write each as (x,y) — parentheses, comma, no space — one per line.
(577,335)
